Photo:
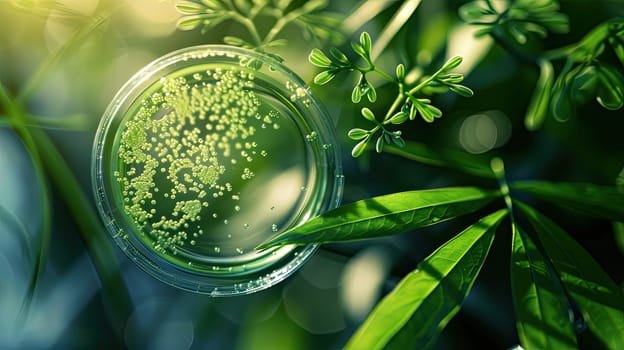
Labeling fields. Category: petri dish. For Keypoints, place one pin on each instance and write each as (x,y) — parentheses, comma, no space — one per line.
(204,154)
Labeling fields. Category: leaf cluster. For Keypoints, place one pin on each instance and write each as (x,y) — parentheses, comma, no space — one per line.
(309,17)
(411,99)
(585,74)
(551,274)
(521,19)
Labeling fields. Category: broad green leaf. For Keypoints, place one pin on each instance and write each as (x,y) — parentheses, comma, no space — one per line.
(599,298)
(460,161)
(414,314)
(386,215)
(538,107)
(542,309)
(605,202)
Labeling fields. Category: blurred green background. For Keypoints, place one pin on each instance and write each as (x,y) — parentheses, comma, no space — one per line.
(322,305)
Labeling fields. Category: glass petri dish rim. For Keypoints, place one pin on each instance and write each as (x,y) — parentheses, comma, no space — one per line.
(145,257)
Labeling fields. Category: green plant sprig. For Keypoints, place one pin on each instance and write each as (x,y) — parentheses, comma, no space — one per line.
(207,14)
(410,100)
(584,75)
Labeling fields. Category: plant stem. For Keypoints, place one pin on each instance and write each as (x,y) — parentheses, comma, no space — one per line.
(384,75)
(249,25)
(498,167)
(397,101)
(45,231)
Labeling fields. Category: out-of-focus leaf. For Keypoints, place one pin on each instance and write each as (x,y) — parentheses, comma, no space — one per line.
(189,7)
(618,227)
(599,201)
(86,32)
(538,107)
(386,215)
(583,85)
(599,298)
(561,104)
(542,309)
(610,92)
(463,162)
(359,148)
(414,314)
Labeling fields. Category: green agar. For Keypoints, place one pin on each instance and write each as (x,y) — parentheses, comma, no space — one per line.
(209,162)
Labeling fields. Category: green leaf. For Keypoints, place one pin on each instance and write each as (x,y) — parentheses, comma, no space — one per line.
(542,309)
(358,49)
(356,94)
(476,11)
(368,115)
(583,85)
(461,90)
(611,88)
(359,148)
(189,7)
(190,22)
(599,298)
(605,202)
(428,112)
(460,161)
(339,56)
(365,41)
(319,59)
(379,144)
(414,314)
(397,140)
(399,118)
(452,63)
(94,26)
(371,93)
(400,72)
(561,104)
(324,77)
(387,215)
(618,47)
(357,134)
(538,107)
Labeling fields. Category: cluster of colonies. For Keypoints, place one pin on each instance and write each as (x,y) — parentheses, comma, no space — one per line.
(182,147)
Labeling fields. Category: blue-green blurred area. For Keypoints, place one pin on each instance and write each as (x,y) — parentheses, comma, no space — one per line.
(321,305)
